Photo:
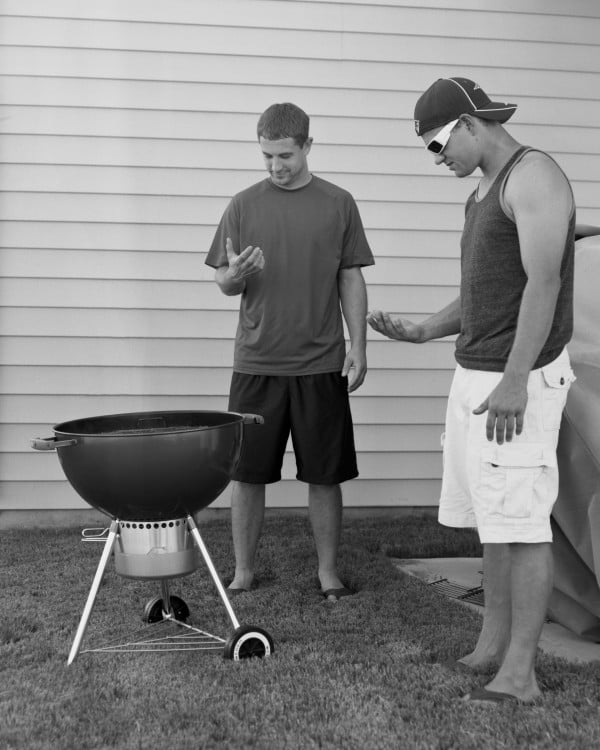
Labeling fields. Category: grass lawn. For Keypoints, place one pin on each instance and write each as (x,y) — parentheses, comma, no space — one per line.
(361,673)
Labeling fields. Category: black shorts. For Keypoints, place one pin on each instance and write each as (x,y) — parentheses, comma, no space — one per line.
(314,408)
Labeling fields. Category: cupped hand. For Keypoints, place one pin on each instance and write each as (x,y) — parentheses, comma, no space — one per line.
(395,327)
(249,262)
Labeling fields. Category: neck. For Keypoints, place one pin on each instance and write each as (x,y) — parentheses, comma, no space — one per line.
(300,183)
(497,154)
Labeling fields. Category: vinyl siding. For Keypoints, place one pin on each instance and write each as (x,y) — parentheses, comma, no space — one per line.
(126,126)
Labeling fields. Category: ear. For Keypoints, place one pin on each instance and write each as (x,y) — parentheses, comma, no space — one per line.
(307,145)
(467,122)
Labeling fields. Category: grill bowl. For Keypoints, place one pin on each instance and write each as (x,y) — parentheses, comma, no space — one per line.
(150,465)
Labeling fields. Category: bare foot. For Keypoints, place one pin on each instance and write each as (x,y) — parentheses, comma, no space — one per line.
(527,692)
(480,661)
(330,580)
(242,581)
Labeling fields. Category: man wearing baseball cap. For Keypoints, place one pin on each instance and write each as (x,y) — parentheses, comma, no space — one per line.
(514,317)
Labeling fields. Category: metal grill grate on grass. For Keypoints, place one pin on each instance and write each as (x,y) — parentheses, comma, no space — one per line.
(456,591)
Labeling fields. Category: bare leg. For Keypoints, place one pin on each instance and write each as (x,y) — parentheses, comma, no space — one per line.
(532,572)
(325,512)
(495,631)
(247,514)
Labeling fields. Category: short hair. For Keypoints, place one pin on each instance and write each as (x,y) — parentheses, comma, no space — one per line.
(281,121)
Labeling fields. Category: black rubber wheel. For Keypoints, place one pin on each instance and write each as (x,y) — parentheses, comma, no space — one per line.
(248,642)
(153,611)
(180,609)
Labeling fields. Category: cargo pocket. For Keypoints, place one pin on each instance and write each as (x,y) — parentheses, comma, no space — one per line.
(557,381)
(509,473)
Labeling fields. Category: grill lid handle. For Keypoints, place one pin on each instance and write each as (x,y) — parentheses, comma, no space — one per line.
(50,443)
(253,419)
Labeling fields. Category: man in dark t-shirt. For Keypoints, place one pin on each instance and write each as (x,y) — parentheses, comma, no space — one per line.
(293,246)
(514,318)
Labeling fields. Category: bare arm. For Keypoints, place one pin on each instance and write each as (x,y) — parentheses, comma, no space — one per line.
(353,298)
(446,322)
(540,199)
(231,278)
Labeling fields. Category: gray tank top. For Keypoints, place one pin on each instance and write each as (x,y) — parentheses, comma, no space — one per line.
(493,280)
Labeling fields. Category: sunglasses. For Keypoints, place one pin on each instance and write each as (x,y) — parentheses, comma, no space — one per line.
(439,143)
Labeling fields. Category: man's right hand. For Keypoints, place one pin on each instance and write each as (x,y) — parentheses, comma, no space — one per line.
(395,327)
(247,263)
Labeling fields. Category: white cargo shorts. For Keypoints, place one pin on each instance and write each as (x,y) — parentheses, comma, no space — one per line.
(507,491)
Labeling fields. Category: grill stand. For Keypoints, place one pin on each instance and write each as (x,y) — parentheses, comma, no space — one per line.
(245,642)
(211,568)
(89,605)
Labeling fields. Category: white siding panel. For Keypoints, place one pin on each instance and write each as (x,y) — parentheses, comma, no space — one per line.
(134,323)
(40,466)
(556,7)
(170,295)
(173,266)
(337,83)
(366,410)
(184,181)
(102,352)
(420,242)
(153,209)
(96,236)
(15,438)
(122,293)
(115,322)
(49,495)
(75,264)
(39,408)
(127,125)
(324,45)
(200,106)
(189,380)
(326,16)
(231,126)
(160,153)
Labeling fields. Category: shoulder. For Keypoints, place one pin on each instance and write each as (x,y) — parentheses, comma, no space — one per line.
(330,189)
(535,167)
(252,192)
(335,199)
(536,178)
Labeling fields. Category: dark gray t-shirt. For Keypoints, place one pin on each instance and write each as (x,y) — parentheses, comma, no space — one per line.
(290,318)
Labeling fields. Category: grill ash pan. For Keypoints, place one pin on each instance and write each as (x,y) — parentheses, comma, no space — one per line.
(150,465)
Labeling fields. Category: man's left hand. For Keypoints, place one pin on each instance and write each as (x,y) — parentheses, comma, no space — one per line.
(506,410)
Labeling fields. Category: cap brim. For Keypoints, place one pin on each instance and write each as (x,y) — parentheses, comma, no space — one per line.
(496,111)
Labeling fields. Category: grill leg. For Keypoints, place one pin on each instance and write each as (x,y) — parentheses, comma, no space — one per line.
(89,605)
(215,576)
(166,598)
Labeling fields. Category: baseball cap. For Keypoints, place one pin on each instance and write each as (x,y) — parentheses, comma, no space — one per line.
(449,98)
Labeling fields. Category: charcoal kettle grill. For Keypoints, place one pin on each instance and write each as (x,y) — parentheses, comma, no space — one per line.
(150,472)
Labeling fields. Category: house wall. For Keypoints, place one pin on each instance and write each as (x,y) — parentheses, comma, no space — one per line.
(126,126)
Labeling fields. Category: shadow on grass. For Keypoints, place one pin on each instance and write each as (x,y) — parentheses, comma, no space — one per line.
(361,673)
(418,536)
